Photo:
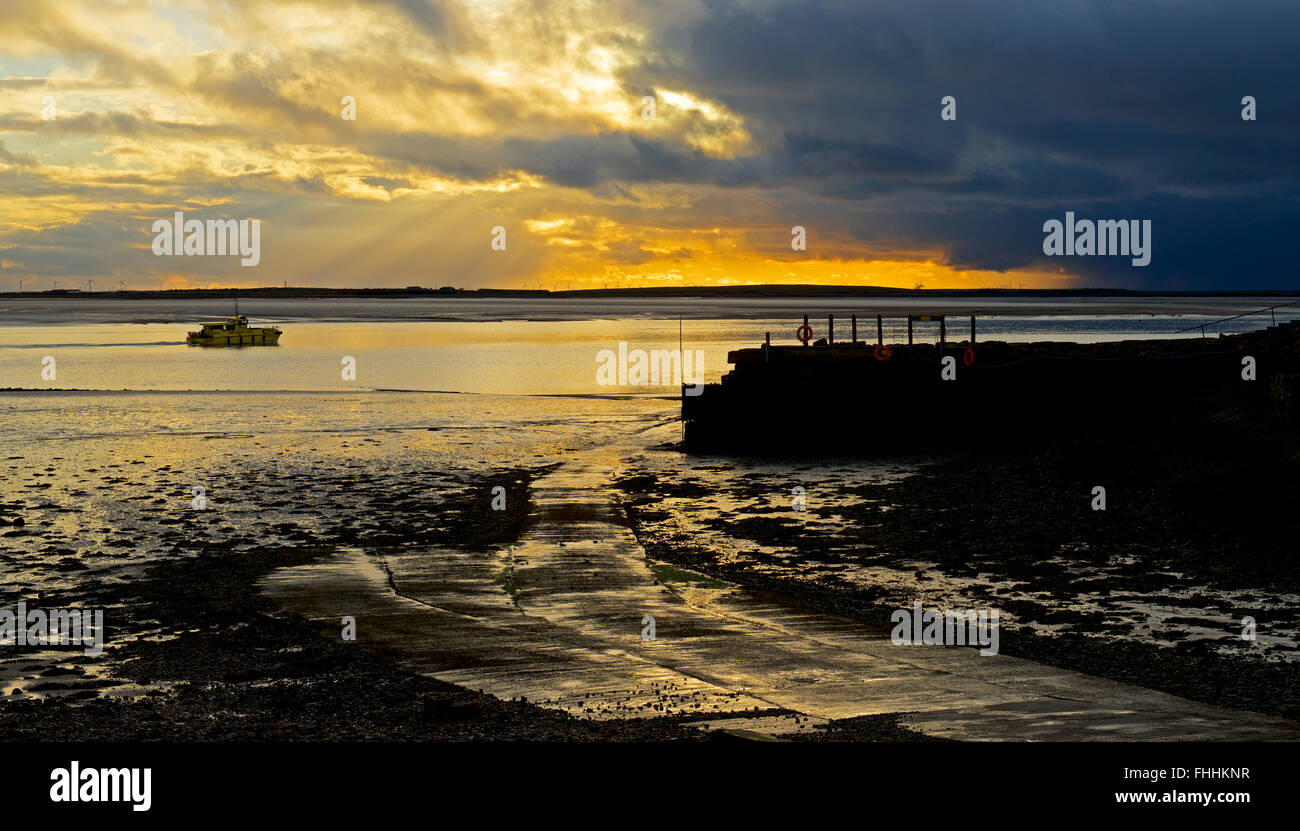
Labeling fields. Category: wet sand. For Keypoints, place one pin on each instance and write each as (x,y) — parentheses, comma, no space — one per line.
(1150,591)
(570,636)
(199,654)
(197,651)
(102,488)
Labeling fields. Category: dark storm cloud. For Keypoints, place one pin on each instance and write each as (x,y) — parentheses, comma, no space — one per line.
(1113,110)
(820,114)
(579,161)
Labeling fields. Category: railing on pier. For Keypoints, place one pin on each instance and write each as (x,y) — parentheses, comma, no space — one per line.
(1269,309)
(895,330)
(942,320)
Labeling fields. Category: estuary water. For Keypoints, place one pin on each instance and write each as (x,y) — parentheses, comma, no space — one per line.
(513,346)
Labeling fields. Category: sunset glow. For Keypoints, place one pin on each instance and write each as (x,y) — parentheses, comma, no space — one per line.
(467,117)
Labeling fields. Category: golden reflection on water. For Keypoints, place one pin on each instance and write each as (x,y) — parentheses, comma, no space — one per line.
(104,481)
(507,357)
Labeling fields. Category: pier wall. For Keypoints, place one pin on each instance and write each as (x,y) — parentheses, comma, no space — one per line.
(851,397)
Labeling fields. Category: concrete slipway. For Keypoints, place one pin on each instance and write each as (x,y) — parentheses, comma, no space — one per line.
(570,637)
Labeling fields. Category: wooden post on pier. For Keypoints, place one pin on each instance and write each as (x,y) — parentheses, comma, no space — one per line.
(830,329)
(972,330)
(880,331)
(909,330)
(805,323)
(853,326)
(767,348)
(943,332)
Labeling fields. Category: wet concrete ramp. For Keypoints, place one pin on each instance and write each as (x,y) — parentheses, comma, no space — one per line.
(558,617)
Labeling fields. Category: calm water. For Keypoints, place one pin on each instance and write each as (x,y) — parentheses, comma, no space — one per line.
(518,347)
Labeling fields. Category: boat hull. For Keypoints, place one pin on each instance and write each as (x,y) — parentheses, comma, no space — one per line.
(247,337)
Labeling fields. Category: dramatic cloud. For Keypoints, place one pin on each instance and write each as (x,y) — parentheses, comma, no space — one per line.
(532,116)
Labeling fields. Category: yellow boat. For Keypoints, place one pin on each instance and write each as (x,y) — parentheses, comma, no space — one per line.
(234,332)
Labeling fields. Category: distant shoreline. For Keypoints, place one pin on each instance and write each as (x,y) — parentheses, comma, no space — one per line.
(777,290)
(777,304)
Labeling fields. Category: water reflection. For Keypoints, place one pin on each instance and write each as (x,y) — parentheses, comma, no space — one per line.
(515,357)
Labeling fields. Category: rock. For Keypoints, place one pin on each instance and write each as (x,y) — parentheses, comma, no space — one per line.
(450,707)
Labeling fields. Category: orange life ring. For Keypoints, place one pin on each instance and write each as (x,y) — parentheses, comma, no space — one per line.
(803,333)
(969,357)
(882,352)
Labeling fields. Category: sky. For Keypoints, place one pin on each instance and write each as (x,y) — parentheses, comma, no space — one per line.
(509,144)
